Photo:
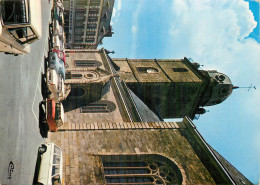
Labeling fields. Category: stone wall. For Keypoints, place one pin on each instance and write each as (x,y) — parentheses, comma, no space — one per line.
(81,150)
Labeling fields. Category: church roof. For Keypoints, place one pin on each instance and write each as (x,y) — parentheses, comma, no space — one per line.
(146,113)
(236,175)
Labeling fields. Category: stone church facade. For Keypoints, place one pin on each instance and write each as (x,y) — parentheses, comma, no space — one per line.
(114,131)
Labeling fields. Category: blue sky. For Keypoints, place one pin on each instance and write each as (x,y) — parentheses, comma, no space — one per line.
(221,35)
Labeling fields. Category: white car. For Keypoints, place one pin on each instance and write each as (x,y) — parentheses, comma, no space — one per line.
(51,165)
(58,43)
(58,30)
(55,85)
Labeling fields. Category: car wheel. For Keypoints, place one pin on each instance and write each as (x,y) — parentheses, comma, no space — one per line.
(42,149)
(48,92)
(43,109)
(50,31)
(50,44)
(45,130)
(8,53)
(44,87)
(46,62)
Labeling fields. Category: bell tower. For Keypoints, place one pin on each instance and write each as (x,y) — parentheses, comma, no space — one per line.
(174,88)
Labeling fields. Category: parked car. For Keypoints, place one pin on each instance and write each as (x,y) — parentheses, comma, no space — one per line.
(50,171)
(55,85)
(21,24)
(51,116)
(57,43)
(60,54)
(57,29)
(58,15)
(57,64)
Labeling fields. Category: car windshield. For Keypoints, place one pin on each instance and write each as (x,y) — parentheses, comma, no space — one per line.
(57,64)
(56,150)
(61,69)
(58,111)
(14,11)
(23,35)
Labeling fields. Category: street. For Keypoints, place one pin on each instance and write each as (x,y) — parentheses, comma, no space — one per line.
(20,94)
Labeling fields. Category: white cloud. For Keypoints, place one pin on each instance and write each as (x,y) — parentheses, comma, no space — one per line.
(134,28)
(215,33)
(116,12)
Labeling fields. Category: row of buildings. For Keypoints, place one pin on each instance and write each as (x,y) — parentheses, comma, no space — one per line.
(87,22)
(114,130)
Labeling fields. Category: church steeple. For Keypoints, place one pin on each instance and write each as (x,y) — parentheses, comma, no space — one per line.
(174,88)
(219,88)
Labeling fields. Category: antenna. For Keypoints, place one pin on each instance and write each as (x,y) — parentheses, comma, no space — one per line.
(250,87)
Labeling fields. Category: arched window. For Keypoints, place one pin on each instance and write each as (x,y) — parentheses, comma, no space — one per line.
(147,70)
(102,106)
(87,63)
(140,169)
(180,69)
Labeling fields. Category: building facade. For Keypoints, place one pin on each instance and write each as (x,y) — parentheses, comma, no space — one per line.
(87,22)
(114,131)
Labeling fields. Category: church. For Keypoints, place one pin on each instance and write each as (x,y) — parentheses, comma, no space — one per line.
(114,130)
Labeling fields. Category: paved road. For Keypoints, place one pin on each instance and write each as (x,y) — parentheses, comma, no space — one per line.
(20,94)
